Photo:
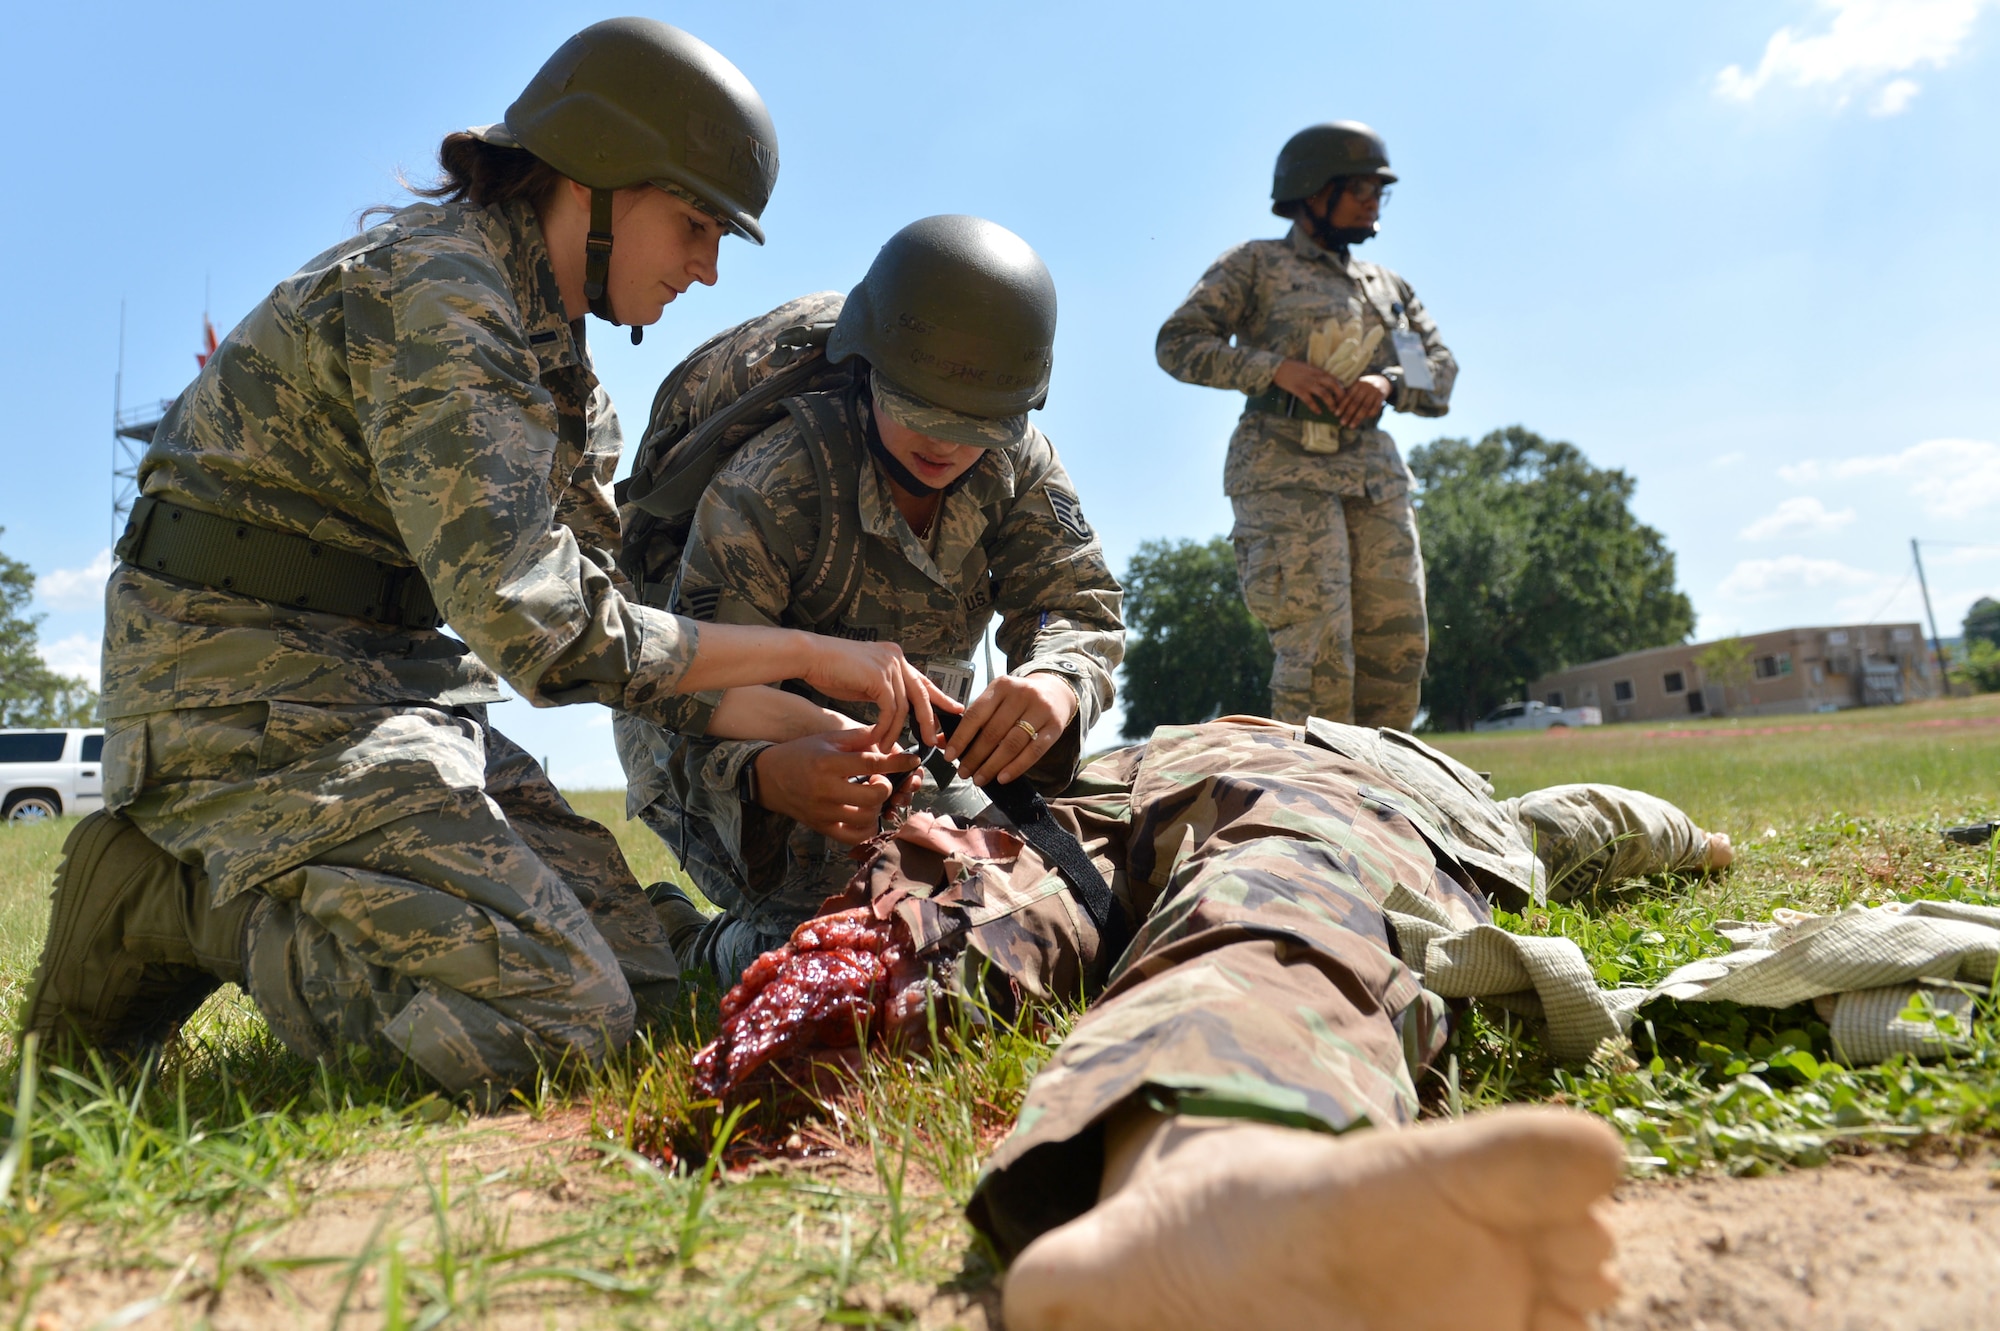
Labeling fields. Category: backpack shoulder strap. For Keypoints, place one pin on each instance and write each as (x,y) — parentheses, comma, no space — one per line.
(829,423)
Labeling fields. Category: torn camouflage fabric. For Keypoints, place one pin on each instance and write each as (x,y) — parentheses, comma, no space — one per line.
(1265,981)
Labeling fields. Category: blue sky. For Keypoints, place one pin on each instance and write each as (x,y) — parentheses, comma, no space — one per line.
(1743,250)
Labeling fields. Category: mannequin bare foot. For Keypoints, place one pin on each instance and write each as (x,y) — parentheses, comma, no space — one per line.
(1207,1223)
(1720,853)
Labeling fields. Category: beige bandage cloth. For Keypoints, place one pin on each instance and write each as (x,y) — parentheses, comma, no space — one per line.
(1862,966)
(1341,349)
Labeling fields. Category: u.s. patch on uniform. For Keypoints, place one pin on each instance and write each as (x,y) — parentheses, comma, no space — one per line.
(1068,512)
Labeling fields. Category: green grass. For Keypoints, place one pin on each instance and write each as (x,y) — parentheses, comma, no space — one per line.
(236,1185)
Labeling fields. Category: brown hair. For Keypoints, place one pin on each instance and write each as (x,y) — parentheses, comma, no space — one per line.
(478,172)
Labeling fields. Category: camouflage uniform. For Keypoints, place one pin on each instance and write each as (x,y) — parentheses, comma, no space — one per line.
(1326,540)
(1010,539)
(1265,982)
(413,394)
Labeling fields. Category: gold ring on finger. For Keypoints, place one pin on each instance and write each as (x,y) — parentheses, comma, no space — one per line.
(1033,734)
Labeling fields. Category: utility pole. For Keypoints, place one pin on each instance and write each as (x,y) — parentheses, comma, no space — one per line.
(1937,647)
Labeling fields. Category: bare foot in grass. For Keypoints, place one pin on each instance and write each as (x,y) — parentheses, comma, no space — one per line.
(1209,1223)
(1720,853)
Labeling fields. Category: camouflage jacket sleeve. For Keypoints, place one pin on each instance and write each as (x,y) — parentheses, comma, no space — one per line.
(1444,366)
(1194,343)
(1060,608)
(463,435)
(586,505)
(748,537)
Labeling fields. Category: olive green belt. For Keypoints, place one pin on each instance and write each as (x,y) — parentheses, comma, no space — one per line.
(233,555)
(1278,402)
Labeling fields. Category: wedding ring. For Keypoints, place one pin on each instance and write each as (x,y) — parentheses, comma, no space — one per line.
(1032,734)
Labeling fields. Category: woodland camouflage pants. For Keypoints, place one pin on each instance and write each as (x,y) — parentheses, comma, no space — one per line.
(1263,983)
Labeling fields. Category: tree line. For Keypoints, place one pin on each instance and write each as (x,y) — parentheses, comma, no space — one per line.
(31,694)
(1532,561)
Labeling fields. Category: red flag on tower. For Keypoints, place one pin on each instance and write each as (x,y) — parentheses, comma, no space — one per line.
(208,338)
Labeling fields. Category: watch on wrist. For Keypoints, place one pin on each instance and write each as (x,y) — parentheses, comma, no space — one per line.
(746,780)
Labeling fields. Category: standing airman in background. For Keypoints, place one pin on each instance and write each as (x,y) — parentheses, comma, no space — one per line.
(1325,535)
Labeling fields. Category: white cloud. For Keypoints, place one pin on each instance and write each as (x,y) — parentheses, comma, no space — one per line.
(75,588)
(1866,42)
(1727,460)
(1791,575)
(1951,478)
(1803,516)
(80,654)
(1894,98)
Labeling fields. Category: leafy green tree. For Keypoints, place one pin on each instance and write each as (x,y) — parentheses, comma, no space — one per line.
(31,694)
(1533,561)
(1982,622)
(1725,663)
(1194,652)
(1980,666)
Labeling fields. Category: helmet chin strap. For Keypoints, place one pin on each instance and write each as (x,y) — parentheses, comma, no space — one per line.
(1334,237)
(1330,236)
(597,262)
(901,474)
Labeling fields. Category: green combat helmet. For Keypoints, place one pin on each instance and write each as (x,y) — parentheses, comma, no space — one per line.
(632,101)
(958,316)
(1320,153)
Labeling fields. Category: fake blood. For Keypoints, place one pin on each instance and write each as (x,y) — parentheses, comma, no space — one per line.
(827,988)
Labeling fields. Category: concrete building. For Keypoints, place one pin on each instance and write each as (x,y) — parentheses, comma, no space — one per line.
(1789,670)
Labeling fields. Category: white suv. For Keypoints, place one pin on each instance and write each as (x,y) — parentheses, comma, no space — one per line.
(45,773)
(1538,716)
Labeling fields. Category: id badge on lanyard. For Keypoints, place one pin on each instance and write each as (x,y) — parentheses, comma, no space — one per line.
(953,677)
(1409,348)
(1410,355)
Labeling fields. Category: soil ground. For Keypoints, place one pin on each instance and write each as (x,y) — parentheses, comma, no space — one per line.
(1880,1241)
(1891,1241)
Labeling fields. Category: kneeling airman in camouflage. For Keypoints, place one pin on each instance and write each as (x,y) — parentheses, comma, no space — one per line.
(908,500)
(304,795)
(1326,539)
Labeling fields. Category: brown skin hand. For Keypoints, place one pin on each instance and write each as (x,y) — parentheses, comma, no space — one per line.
(1361,402)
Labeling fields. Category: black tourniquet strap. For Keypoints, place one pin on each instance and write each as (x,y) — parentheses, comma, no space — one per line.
(234,555)
(1029,813)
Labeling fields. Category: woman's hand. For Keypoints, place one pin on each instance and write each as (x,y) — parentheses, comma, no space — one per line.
(992,741)
(1362,400)
(813,781)
(877,672)
(1310,385)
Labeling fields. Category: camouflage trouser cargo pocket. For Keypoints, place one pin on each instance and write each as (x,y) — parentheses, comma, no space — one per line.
(428,894)
(1291,557)
(293,732)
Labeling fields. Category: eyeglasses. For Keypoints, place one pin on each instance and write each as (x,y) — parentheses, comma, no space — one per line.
(1363,188)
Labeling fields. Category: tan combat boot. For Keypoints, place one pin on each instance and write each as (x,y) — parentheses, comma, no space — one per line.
(134,945)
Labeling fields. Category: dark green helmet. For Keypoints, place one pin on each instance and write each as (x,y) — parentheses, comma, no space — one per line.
(959,312)
(1320,153)
(632,101)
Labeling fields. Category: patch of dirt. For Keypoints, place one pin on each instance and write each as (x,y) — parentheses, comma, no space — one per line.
(1909,1242)
(1882,1241)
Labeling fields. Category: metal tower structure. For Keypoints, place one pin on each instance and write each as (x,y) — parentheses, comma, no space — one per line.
(131,434)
